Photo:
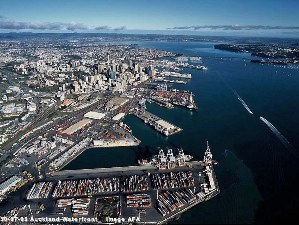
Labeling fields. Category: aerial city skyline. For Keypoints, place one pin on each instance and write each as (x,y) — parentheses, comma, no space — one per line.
(192,17)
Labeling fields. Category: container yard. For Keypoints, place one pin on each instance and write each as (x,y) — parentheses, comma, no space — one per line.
(171,201)
(142,194)
(40,190)
(175,97)
(85,187)
(138,201)
(135,183)
(163,181)
(78,207)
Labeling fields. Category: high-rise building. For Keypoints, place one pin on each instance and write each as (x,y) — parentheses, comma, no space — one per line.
(91,79)
(76,86)
(136,67)
(152,71)
(108,58)
(114,67)
(100,68)
(130,64)
(112,74)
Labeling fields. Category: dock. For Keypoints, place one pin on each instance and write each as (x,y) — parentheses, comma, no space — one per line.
(140,193)
(152,193)
(157,123)
(170,81)
(175,74)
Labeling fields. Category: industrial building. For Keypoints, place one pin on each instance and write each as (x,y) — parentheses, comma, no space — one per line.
(94,115)
(7,185)
(118,116)
(77,126)
(165,125)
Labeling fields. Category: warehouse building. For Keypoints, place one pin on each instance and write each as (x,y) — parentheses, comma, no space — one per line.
(77,126)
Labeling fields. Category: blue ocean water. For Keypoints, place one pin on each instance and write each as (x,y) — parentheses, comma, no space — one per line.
(257,173)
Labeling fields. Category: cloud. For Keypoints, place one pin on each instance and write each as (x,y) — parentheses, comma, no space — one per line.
(7,24)
(15,25)
(102,28)
(235,27)
(119,28)
(76,26)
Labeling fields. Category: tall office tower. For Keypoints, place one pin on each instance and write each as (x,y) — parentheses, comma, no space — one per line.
(76,86)
(114,66)
(136,67)
(130,64)
(108,58)
(112,75)
(100,68)
(152,71)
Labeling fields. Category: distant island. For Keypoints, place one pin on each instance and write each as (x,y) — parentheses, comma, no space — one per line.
(281,54)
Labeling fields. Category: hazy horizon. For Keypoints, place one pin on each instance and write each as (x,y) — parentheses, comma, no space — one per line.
(269,18)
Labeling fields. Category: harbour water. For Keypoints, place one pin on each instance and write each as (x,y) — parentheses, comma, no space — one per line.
(257,173)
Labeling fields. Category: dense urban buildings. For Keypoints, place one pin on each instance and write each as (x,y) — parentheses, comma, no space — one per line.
(63,96)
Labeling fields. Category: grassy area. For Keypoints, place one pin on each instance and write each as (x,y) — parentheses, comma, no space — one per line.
(3,119)
(46,89)
(57,114)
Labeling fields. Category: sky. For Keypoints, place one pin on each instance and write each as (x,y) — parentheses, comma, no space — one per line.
(207,17)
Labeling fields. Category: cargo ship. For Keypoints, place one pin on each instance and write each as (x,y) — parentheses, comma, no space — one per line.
(168,160)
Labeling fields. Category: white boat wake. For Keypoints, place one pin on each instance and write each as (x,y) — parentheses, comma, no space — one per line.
(276,132)
(245,105)
(243,102)
(282,138)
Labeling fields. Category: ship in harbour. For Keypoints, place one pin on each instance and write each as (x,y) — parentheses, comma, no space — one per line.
(168,160)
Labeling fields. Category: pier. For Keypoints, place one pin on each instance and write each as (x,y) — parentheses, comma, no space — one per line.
(157,123)
(175,97)
(170,81)
(175,74)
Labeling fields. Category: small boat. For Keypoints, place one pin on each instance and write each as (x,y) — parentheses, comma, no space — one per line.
(144,162)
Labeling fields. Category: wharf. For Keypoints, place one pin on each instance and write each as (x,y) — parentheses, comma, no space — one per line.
(201,177)
(175,74)
(175,81)
(69,155)
(157,123)
(115,143)
(194,165)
